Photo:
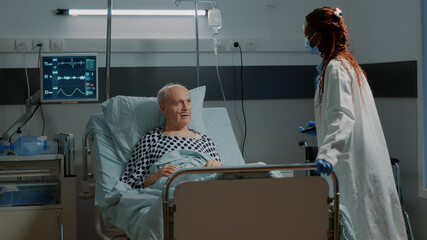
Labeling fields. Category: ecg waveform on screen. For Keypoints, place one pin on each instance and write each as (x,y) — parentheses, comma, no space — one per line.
(71,77)
(72,63)
(69,95)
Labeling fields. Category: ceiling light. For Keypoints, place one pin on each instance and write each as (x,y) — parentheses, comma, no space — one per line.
(129,12)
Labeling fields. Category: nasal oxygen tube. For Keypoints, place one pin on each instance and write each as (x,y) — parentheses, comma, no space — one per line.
(215,23)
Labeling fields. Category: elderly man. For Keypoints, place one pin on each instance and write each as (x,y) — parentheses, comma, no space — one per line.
(175,103)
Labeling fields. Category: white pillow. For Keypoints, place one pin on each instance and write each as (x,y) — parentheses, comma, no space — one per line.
(130,118)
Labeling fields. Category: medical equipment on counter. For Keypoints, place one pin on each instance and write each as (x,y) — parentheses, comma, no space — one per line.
(25,146)
(31,101)
(69,77)
(32,146)
(38,187)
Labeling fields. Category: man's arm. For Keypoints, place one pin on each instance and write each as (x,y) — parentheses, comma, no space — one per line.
(165,171)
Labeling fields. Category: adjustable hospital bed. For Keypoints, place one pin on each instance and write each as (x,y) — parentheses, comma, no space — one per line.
(236,201)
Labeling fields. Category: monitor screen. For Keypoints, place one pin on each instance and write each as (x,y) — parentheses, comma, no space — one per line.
(69,78)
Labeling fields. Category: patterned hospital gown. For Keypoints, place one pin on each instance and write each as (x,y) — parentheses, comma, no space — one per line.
(152,146)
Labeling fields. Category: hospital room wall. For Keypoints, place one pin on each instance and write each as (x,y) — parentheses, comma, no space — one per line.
(385,33)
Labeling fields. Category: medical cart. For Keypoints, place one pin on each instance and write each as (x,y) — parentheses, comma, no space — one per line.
(38,194)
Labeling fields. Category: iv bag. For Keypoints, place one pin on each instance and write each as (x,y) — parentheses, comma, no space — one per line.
(214,19)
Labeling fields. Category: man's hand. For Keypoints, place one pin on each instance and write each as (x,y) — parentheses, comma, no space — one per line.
(165,171)
(213,163)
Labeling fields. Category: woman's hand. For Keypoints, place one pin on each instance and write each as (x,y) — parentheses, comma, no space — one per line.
(324,167)
(165,171)
(213,163)
(310,128)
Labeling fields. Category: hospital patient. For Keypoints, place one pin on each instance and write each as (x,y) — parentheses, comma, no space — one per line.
(175,103)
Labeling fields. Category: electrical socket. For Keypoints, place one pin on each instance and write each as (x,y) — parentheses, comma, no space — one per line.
(43,43)
(221,45)
(251,45)
(234,48)
(21,45)
(56,45)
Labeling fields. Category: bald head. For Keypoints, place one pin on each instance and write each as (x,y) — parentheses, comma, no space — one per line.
(162,95)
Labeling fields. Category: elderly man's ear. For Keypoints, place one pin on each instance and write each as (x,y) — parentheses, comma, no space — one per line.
(162,108)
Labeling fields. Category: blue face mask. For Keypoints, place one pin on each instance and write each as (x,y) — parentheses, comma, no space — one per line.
(312,50)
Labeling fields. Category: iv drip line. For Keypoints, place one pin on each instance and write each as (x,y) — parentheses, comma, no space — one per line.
(196,7)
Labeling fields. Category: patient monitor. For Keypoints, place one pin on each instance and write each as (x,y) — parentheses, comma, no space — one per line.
(69,77)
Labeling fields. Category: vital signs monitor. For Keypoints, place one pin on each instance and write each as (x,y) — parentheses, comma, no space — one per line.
(69,77)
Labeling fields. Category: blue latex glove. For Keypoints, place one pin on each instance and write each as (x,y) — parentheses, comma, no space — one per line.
(324,166)
(309,125)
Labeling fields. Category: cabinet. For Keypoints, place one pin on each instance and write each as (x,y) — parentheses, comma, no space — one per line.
(37,200)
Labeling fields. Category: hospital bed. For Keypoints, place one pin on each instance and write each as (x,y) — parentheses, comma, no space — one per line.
(236,201)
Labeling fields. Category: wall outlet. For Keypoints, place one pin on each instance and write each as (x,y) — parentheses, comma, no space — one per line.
(21,45)
(38,42)
(251,45)
(221,45)
(233,45)
(56,45)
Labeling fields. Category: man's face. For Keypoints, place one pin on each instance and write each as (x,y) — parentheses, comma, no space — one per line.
(177,108)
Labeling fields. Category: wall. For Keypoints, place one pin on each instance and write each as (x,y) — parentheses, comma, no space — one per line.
(381,31)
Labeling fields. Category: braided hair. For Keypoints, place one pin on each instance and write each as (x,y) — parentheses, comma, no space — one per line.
(334,42)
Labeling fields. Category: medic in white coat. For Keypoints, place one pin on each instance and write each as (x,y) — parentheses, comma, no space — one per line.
(349,133)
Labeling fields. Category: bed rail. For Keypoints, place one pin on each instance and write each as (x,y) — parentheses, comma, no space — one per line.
(167,208)
(87,186)
(103,231)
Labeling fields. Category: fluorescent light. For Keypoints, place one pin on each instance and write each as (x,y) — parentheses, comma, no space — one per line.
(91,12)
(129,12)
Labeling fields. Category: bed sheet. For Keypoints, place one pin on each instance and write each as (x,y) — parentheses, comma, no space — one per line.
(139,212)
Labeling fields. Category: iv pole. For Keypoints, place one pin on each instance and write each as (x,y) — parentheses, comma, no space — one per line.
(196,16)
(108,44)
(108,52)
(196,7)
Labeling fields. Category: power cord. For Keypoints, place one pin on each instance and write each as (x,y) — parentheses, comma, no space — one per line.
(236,44)
(26,74)
(39,64)
(28,82)
(44,122)
(39,45)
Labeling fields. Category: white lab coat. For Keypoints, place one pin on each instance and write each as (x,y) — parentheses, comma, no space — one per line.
(350,136)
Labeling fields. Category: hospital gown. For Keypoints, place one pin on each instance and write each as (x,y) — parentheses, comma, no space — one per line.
(350,137)
(153,146)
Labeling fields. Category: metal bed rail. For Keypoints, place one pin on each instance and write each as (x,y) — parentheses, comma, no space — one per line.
(88,191)
(167,209)
(87,185)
